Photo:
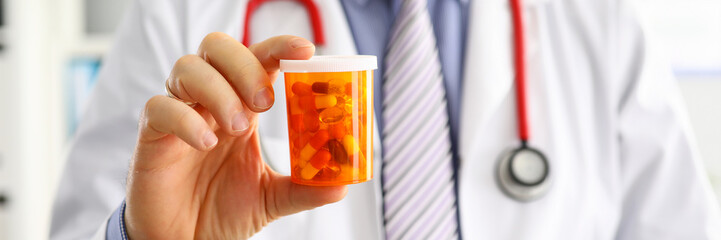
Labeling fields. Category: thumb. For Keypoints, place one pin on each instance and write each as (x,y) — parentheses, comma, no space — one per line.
(285,197)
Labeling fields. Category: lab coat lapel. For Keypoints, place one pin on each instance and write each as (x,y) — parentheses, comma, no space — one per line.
(489,70)
(488,74)
(488,119)
(337,31)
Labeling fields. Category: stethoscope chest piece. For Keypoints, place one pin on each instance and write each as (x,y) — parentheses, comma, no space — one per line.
(523,174)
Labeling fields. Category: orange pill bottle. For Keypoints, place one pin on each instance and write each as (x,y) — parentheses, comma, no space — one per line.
(330,119)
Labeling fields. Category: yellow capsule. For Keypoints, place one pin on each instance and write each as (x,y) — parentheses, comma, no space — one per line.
(319,160)
(310,103)
(325,101)
(350,144)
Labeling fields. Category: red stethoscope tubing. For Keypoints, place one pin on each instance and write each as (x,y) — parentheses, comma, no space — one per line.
(520,68)
(310,6)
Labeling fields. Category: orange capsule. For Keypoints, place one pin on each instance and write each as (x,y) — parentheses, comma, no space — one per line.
(301,140)
(315,143)
(319,139)
(349,88)
(310,103)
(296,123)
(317,162)
(320,158)
(294,105)
(302,89)
(336,131)
(311,121)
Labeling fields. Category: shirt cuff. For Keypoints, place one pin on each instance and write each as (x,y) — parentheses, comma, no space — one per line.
(116,225)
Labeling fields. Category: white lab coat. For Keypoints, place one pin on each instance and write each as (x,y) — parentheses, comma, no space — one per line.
(602,108)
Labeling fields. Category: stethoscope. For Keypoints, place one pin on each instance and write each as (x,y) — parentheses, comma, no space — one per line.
(523,173)
(310,7)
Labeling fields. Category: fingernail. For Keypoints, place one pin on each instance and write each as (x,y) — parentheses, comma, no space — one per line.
(240,122)
(263,98)
(300,43)
(210,139)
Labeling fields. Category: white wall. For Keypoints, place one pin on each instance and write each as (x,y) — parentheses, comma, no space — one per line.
(689,34)
(30,138)
(703,102)
(40,37)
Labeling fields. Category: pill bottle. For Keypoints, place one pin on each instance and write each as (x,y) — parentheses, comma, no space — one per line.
(330,119)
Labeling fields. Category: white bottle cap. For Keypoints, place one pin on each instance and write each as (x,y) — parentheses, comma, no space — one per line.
(330,64)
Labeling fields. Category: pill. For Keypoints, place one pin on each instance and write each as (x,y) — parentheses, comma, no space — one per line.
(294,105)
(319,139)
(310,103)
(334,86)
(341,101)
(333,166)
(311,121)
(317,162)
(315,143)
(350,145)
(337,151)
(320,87)
(357,168)
(320,159)
(325,101)
(331,115)
(308,172)
(296,123)
(302,89)
(301,139)
(336,131)
(329,172)
(349,88)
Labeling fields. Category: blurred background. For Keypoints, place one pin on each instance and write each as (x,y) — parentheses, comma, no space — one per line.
(50,52)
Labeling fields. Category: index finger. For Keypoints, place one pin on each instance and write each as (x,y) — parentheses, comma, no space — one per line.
(247,70)
(270,51)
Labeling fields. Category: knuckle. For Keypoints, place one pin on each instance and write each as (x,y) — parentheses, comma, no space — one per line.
(215,36)
(153,103)
(185,62)
(150,106)
(185,119)
(250,73)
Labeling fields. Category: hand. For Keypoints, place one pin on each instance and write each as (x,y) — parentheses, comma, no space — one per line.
(197,172)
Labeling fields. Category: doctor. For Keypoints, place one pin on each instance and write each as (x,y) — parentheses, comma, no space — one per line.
(605,113)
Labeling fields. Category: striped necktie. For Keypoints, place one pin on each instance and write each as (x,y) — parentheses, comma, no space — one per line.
(418,184)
